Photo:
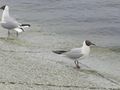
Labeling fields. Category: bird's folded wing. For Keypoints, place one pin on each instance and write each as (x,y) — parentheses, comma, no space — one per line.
(11,20)
(74,53)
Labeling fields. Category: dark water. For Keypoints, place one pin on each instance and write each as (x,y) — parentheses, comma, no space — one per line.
(97,20)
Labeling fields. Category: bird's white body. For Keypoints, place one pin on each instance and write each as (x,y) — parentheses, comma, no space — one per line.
(85,49)
(5,15)
(76,53)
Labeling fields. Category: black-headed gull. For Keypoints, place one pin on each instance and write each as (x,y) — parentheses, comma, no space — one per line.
(10,23)
(77,53)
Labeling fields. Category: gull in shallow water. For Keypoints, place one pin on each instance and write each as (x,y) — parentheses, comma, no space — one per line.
(10,23)
(77,53)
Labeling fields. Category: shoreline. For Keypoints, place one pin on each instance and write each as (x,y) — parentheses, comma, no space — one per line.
(28,62)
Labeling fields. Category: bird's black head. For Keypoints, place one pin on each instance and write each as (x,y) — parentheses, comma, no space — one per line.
(3,7)
(88,43)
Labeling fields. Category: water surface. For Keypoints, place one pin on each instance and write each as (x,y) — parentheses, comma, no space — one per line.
(97,20)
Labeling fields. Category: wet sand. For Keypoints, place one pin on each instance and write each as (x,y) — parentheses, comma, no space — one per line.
(27,63)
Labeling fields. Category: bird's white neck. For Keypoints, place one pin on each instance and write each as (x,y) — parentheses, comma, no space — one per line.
(5,13)
(85,49)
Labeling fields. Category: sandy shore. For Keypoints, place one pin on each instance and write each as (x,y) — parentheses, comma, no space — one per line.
(27,63)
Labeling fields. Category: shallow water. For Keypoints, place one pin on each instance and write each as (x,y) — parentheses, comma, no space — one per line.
(96,20)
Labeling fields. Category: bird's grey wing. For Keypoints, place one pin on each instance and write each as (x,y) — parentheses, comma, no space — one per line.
(74,53)
(12,20)
(10,23)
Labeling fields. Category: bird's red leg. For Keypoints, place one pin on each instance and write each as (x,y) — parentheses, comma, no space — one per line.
(77,64)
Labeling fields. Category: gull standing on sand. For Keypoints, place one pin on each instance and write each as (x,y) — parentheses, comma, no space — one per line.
(77,53)
(10,23)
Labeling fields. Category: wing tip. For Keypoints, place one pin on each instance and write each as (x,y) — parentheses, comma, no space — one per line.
(59,52)
(26,25)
